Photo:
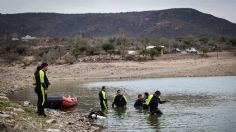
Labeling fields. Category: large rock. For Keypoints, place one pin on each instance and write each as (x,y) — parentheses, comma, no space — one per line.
(53,130)
(4,116)
(51,121)
(26,103)
(10,108)
(15,86)
(4,98)
(18,110)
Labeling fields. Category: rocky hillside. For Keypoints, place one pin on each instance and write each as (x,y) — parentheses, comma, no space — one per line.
(168,23)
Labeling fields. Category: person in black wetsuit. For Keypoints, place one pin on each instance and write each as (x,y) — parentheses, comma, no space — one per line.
(41,84)
(120,100)
(103,98)
(153,103)
(139,102)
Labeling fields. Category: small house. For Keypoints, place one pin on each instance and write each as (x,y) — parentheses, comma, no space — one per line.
(28,37)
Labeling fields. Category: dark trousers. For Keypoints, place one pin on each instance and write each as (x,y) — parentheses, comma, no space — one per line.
(40,104)
(156,112)
(103,106)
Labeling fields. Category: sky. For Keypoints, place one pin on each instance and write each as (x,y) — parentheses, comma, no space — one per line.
(220,8)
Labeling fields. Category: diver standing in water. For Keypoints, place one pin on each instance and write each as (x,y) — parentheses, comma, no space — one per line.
(103,98)
(153,103)
(139,102)
(145,105)
(120,100)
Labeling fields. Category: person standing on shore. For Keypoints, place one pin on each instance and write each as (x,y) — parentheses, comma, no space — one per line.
(103,98)
(41,85)
(120,100)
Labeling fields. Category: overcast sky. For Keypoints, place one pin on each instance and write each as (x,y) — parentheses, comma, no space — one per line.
(220,8)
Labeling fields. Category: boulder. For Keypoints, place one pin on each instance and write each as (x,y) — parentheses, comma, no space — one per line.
(10,108)
(26,103)
(18,110)
(53,130)
(4,98)
(4,116)
(51,121)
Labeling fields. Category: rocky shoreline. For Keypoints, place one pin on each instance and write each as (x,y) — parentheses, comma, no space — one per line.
(22,117)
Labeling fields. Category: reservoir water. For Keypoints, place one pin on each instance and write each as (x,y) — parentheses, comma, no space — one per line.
(196,103)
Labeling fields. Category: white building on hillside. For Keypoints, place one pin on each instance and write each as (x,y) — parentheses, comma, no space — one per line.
(28,37)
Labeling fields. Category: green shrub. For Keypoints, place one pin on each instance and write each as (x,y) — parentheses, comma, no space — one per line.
(14,58)
(79,50)
(91,50)
(153,52)
(21,50)
(108,47)
(70,59)
(51,56)
(205,51)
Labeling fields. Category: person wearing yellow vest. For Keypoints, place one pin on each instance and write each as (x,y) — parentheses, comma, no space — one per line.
(119,100)
(153,101)
(103,98)
(145,105)
(41,83)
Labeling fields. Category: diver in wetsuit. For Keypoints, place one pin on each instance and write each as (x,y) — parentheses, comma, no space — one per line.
(103,98)
(139,102)
(41,84)
(153,103)
(119,100)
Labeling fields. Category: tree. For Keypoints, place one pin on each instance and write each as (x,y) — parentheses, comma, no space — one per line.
(144,42)
(79,50)
(123,45)
(233,42)
(108,47)
(21,50)
(152,52)
(205,50)
(204,40)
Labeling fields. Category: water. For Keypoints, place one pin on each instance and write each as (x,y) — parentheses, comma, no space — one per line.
(196,104)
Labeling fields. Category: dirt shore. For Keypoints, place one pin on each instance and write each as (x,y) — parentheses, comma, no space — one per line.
(175,65)
(13,78)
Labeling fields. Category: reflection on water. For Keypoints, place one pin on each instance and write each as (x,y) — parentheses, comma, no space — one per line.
(196,104)
(153,121)
(120,112)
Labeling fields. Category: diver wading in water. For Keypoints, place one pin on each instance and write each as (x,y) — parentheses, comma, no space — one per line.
(103,98)
(153,102)
(120,100)
(41,84)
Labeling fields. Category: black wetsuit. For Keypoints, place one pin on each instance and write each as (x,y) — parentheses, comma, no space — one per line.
(139,103)
(40,91)
(154,105)
(119,101)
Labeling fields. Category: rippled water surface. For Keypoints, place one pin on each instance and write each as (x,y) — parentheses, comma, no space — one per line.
(196,104)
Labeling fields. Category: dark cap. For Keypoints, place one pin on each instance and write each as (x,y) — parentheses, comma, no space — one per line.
(44,65)
(158,92)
